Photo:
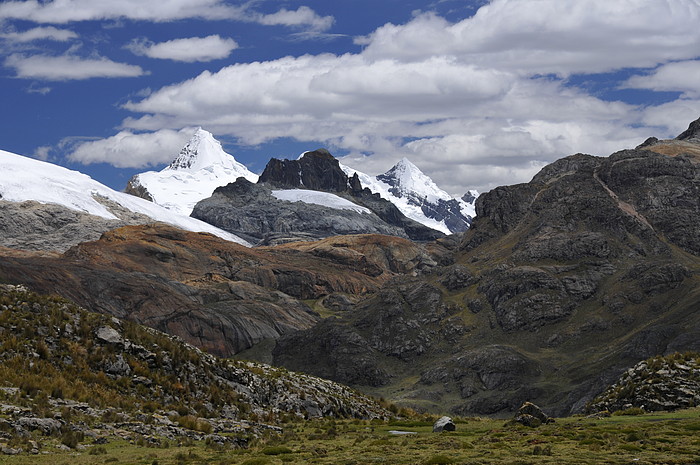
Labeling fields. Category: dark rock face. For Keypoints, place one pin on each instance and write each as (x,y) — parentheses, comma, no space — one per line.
(134,187)
(317,170)
(257,216)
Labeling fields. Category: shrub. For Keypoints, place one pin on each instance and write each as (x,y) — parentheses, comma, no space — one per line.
(629,411)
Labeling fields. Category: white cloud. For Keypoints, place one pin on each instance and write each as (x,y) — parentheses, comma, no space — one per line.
(673,117)
(40,33)
(679,76)
(550,36)
(131,150)
(466,100)
(189,50)
(66,11)
(69,67)
(302,16)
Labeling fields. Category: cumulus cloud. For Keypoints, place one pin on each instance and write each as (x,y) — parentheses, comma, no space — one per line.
(66,11)
(209,48)
(302,16)
(132,150)
(475,103)
(679,76)
(69,67)
(550,36)
(39,33)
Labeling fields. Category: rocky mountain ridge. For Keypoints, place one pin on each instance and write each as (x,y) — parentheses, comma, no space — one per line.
(255,213)
(419,198)
(659,383)
(215,294)
(592,249)
(202,166)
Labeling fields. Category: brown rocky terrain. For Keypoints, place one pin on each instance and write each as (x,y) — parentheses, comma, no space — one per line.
(215,294)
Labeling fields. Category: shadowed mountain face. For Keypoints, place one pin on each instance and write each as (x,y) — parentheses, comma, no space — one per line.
(561,284)
(215,294)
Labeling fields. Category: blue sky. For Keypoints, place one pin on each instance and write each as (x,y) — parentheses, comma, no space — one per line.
(476,93)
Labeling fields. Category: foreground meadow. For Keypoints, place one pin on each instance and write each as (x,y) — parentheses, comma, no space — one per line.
(659,438)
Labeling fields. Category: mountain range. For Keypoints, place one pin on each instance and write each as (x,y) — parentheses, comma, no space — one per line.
(202,166)
(558,286)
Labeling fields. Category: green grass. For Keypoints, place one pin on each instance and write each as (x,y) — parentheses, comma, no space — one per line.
(661,438)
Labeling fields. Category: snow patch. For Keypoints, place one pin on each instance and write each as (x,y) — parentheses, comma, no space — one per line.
(318,198)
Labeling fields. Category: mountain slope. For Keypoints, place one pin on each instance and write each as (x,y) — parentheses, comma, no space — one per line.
(199,168)
(419,198)
(215,294)
(559,285)
(24,179)
(65,369)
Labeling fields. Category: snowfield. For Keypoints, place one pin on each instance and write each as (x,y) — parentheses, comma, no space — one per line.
(318,198)
(23,179)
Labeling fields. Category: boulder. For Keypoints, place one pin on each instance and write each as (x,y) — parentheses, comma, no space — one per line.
(531,415)
(444,424)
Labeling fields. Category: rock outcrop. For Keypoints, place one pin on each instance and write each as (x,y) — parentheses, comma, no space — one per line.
(659,383)
(259,217)
(444,424)
(60,380)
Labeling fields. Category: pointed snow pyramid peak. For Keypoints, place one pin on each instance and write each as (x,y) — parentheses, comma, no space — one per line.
(404,176)
(202,151)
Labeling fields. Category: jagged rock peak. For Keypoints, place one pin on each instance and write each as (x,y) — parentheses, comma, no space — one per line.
(315,170)
(692,133)
(202,151)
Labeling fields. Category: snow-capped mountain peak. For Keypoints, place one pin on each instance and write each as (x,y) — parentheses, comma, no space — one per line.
(23,178)
(406,178)
(201,166)
(418,197)
(203,151)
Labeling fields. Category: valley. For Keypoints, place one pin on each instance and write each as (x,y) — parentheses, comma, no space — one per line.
(557,288)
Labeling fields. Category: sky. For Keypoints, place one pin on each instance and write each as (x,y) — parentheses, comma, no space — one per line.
(476,93)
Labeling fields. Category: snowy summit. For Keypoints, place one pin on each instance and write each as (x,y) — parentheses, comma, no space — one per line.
(418,197)
(201,166)
(23,178)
